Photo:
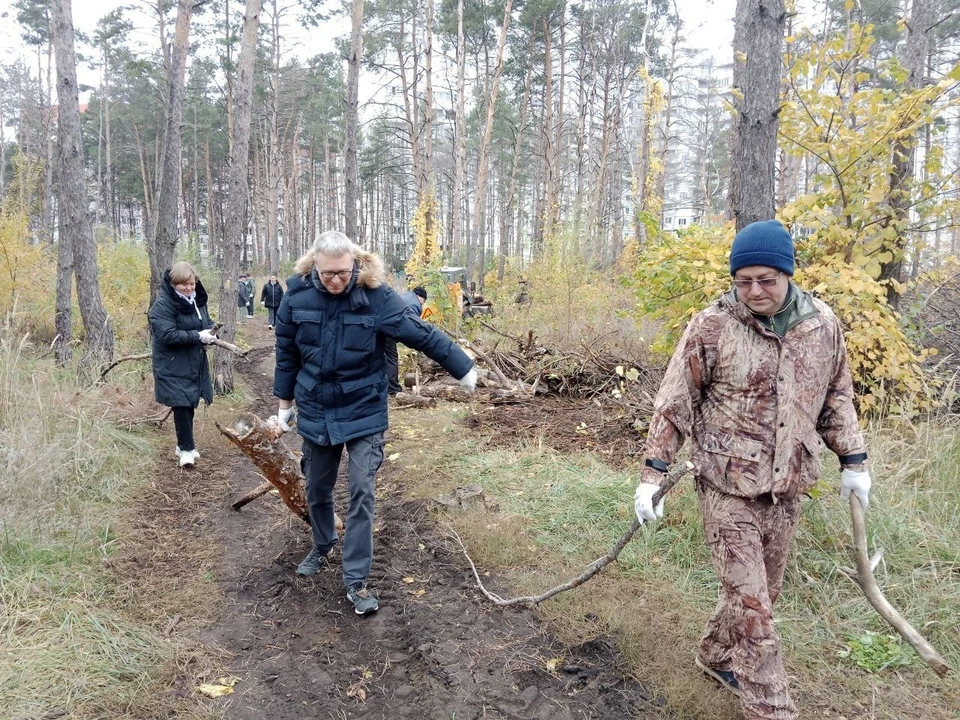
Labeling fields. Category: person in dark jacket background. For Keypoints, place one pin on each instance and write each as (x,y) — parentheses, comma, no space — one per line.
(415,299)
(251,295)
(330,332)
(243,295)
(270,298)
(180,325)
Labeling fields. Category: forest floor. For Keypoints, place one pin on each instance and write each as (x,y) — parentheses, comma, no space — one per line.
(436,648)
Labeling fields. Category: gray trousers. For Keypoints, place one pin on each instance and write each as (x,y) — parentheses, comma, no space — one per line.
(320,464)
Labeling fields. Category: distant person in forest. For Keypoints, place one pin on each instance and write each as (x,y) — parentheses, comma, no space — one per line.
(270,298)
(759,382)
(330,332)
(251,295)
(180,325)
(523,293)
(243,295)
(415,299)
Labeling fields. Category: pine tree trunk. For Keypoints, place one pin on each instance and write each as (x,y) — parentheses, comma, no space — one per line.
(351,171)
(904,154)
(480,200)
(234,230)
(75,227)
(757,51)
(162,235)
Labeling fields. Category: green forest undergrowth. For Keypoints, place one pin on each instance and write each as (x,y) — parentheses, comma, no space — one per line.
(556,513)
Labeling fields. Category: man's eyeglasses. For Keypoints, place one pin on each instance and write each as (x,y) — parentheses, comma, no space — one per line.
(331,274)
(762,282)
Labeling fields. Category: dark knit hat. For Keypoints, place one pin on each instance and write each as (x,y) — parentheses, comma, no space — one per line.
(764,243)
(420,292)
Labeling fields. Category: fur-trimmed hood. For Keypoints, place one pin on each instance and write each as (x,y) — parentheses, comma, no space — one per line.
(370,272)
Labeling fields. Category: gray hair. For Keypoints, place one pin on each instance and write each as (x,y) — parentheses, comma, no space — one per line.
(334,243)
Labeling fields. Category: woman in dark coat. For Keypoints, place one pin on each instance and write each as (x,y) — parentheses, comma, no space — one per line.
(270,298)
(180,325)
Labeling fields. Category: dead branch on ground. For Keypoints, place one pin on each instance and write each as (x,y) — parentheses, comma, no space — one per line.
(593,568)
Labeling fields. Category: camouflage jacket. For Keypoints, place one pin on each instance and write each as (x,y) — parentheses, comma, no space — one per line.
(755,404)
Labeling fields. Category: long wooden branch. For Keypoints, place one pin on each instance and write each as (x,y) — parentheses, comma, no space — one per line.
(261,442)
(125,358)
(146,356)
(593,568)
(875,597)
(230,346)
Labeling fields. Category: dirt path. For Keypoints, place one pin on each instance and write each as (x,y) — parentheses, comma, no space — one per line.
(301,652)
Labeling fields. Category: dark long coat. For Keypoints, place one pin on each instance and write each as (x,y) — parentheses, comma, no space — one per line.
(181,371)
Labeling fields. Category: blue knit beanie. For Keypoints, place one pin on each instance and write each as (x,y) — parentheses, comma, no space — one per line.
(764,243)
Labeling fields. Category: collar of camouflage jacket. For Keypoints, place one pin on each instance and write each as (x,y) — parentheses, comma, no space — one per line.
(797,308)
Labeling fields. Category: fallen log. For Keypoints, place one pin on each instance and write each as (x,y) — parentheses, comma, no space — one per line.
(262,442)
(405,400)
(455,393)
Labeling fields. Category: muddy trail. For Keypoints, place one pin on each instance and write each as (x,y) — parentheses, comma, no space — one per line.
(435,650)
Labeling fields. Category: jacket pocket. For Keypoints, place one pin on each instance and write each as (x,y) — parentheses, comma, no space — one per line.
(359,334)
(810,461)
(309,324)
(733,463)
(349,386)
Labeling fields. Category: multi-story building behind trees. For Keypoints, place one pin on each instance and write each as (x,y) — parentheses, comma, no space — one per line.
(697,158)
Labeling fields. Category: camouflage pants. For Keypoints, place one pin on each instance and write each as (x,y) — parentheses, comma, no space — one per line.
(749,541)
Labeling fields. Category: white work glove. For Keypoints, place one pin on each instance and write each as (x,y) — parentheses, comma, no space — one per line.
(284,415)
(263,303)
(643,503)
(469,381)
(856,482)
(207,337)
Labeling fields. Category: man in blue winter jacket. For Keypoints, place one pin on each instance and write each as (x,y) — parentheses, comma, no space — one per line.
(330,330)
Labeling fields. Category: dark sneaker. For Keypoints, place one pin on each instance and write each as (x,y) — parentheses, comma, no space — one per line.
(363,602)
(312,563)
(725,677)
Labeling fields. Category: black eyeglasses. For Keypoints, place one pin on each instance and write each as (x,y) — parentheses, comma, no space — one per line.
(330,274)
(762,282)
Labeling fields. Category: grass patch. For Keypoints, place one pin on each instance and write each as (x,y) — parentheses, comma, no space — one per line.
(559,512)
(74,639)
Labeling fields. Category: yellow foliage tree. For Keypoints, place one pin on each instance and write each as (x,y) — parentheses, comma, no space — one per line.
(426,234)
(679,275)
(24,272)
(850,116)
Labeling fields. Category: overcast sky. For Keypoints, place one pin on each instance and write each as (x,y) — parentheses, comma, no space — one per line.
(708,24)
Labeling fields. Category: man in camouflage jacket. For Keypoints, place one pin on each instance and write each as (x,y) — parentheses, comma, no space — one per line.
(759,382)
